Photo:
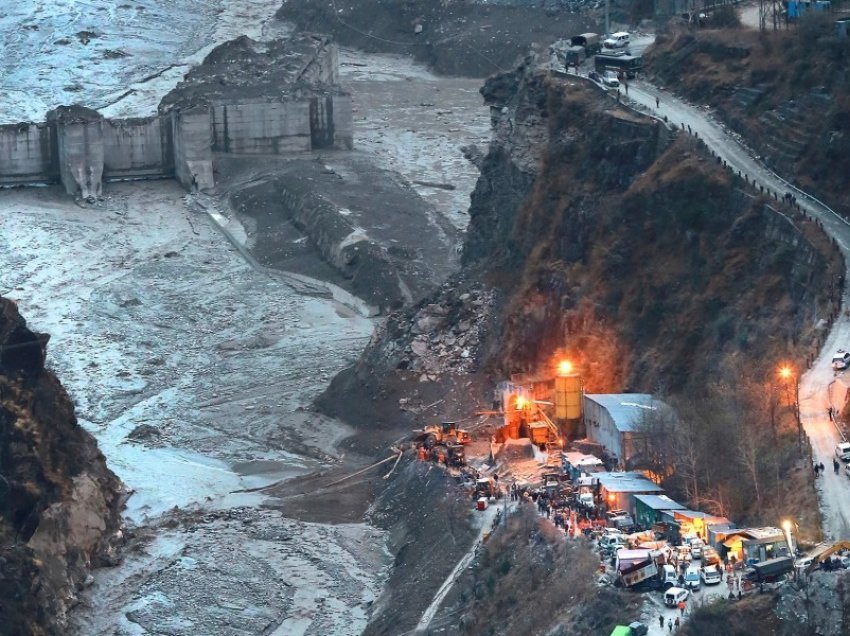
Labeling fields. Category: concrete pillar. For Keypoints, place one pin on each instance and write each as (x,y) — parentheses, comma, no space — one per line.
(193,139)
(343,120)
(331,122)
(79,135)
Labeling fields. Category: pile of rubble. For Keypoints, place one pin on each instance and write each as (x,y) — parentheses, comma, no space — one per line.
(444,335)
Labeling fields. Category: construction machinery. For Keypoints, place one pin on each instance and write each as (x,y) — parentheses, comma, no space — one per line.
(552,483)
(443,433)
(823,551)
(486,487)
(455,455)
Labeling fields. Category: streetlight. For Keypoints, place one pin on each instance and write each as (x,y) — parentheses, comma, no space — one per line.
(565,368)
(786,526)
(787,372)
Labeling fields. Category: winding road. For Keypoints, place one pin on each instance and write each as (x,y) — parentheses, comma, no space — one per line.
(834,490)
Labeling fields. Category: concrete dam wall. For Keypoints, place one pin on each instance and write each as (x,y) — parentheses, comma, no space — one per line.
(80,149)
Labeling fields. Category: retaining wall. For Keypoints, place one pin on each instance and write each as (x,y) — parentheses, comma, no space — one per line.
(262,127)
(28,154)
(137,148)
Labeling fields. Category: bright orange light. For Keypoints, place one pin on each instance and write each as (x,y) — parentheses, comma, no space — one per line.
(521,402)
(785,372)
(565,367)
(611,497)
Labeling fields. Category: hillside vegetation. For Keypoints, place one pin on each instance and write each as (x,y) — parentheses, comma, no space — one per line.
(787,91)
(529,580)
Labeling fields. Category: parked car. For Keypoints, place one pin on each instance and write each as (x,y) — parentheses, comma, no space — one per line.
(842,451)
(711,575)
(840,360)
(610,542)
(619,40)
(609,78)
(675,595)
(696,548)
(802,564)
(596,77)
(692,578)
(633,629)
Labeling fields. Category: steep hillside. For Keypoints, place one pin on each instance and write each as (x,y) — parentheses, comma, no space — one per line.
(787,92)
(454,37)
(595,229)
(653,265)
(59,510)
(528,580)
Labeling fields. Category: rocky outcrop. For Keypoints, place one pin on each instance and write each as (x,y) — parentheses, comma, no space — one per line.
(598,232)
(59,513)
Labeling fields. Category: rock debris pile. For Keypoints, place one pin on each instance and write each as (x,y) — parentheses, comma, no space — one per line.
(444,335)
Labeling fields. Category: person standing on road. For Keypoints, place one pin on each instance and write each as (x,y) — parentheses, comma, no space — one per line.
(670,624)
(657,102)
(661,621)
(835,465)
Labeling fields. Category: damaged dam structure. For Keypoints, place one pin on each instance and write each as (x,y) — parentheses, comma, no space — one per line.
(249,98)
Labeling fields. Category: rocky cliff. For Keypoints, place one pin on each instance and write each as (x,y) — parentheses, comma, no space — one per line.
(59,510)
(599,232)
(596,230)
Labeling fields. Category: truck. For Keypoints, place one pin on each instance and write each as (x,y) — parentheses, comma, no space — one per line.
(771,570)
(644,568)
(621,520)
(574,56)
(591,42)
(635,566)
(629,65)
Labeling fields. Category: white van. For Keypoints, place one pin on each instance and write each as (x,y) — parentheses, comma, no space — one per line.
(841,359)
(692,578)
(674,596)
(619,40)
(611,542)
(842,451)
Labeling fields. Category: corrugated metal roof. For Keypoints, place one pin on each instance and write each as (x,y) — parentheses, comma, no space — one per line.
(627,482)
(580,459)
(627,409)
(659,502)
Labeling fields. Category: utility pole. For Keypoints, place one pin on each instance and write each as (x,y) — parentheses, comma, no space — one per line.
(607,21)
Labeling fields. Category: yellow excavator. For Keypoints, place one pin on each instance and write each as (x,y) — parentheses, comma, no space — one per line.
(823,551)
